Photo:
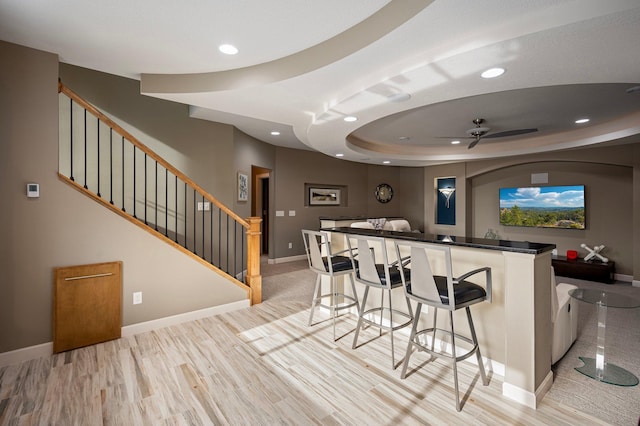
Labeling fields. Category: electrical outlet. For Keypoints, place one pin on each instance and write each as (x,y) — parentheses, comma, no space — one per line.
(137,297)
(207,206)
(200,206)
(290,245)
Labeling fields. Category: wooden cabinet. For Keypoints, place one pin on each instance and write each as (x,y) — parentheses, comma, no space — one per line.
(87,305)
(578,268)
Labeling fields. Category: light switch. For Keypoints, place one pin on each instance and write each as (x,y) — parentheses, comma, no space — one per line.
(292,212)
(279,212)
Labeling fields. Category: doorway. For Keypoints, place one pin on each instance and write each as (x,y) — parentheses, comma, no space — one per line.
(260,177)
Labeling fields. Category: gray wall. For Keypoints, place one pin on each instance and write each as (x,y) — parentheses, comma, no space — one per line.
(610,174)
(63,227)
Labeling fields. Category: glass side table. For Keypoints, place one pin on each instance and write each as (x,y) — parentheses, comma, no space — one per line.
(597,368)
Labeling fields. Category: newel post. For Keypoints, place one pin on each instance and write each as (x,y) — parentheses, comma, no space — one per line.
(254,279)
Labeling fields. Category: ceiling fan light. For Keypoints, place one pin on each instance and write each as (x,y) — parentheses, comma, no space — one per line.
(455,142)
(350,119)
(493,73)
(582,121)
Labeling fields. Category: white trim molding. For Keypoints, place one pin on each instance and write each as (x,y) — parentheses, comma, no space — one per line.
(46,349)
(527,398)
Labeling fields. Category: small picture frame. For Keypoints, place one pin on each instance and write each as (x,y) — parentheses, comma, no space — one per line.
(324,196)
(243,187)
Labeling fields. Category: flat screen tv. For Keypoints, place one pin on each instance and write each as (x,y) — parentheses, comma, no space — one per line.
(543,206)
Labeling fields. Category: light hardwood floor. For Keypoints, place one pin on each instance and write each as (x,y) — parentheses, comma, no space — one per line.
(258,366)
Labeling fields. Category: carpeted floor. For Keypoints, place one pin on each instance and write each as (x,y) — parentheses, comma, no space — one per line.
(613,404)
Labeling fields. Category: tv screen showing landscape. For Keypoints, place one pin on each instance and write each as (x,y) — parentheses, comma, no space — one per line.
(543,206)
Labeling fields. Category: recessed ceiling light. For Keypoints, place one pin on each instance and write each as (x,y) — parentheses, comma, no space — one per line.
(275,133)
(386,162)
(582,121)
(455,142)
(399,97)
(339,155)
(404,138)
(228,49)
(350,119)
(493,73)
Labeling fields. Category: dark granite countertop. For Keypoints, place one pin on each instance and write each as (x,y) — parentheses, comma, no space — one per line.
(480,243)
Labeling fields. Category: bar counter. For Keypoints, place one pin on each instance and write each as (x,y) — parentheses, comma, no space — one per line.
(514,330)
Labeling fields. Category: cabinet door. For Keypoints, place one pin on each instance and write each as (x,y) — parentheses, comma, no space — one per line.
(87,305)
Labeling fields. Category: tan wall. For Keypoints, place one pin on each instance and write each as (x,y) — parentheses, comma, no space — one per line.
(408,193)
(610,174)
(63,227)
(608,209)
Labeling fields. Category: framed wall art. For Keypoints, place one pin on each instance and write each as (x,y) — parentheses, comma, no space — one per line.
(243,187)
(324,196)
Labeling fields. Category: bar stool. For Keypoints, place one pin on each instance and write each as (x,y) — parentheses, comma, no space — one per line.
(441,292)
(331,265)
(384,276)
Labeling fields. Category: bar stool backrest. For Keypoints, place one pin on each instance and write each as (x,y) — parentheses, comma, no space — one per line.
(423,282)
(366,248)
(315,243)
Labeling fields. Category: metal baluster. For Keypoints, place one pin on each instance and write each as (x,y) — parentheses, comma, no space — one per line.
(203,213)
(123,209)
(71,137)
(85,150)
(227,270)
(185,215)
(111,166)
(145,189)
(98,140)
(195,245)
(176,210)
(134,182)
(211,236)
(219,239)
(156,196)
(166,202)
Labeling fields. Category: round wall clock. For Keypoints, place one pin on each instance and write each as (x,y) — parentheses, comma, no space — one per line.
(384,193)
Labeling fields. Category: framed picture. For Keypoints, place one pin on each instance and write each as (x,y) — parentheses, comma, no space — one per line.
(243,187)
(324,196)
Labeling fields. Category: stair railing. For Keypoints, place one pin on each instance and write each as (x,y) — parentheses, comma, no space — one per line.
(101,159)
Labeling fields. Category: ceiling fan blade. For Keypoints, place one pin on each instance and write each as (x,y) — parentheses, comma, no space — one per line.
(511,133)
(473,143)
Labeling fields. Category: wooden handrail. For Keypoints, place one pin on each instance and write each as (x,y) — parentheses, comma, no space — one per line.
(253,284)
(108,121)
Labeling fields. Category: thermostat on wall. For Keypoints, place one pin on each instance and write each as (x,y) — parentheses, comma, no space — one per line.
(33,190)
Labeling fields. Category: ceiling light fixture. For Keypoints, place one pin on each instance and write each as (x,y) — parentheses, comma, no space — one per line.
(350,119)
(493,73)
(275,133)
(404,138)
(386,162)
(399,97)
(228,49)
(582,121)
(340,155)
(455,142)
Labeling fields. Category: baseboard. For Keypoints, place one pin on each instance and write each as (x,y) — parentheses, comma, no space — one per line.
(530,399)
(286,259)
(635,283)
(143,327)
(623,277)
(46,349)
(25,354)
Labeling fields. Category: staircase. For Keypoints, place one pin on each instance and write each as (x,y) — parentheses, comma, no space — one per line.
(102,160)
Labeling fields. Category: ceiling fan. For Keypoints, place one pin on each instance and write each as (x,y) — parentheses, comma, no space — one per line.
(480,132)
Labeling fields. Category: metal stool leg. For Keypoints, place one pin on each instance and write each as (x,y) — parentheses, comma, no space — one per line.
(393,352)
(412,336)
(485,382)
(360,313)
(314,301)
(453,359)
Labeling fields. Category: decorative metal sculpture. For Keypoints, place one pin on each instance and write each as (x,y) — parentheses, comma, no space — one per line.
(594,252)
